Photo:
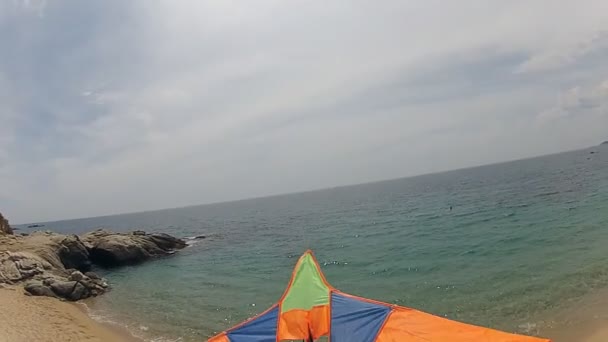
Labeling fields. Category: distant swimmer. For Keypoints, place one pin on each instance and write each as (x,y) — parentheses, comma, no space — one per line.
(450,208)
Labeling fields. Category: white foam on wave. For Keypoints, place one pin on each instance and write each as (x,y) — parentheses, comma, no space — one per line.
(529,328)
(194,240)
(162,339)
(190,243)
(132,330)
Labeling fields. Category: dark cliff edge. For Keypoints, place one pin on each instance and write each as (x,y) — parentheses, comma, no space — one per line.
(5,228)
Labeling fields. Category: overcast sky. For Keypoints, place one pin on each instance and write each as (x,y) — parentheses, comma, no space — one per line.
(114,106)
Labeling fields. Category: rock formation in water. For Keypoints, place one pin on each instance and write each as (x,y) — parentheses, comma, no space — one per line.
(110,249)
(56,265)
(5,228)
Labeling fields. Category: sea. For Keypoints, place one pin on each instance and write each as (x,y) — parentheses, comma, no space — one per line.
(508,246)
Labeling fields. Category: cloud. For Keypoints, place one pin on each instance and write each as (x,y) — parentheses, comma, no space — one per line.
(36,6)
(566,54)
(22,7)
(113,106)
(579,101)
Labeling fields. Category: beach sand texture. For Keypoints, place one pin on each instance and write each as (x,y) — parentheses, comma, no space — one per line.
(41,319)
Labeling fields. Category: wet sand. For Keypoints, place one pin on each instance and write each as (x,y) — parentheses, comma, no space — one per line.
(581,320)
(38,319)
(581,333)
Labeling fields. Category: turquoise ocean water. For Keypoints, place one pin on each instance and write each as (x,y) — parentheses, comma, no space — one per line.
(523,239)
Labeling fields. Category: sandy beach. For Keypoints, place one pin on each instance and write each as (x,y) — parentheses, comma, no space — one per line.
(596,334)
(583,320)
(42,319)
(582,333)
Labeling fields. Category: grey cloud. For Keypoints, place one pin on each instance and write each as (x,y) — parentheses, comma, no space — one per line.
(579,101)
(573,53)
(151,104)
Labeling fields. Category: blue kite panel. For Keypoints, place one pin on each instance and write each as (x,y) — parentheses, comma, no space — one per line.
(354,320)
(261,329)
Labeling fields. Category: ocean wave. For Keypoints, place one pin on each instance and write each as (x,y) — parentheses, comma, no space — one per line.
(549,193)
(193,240)
(135,330)
(162,339)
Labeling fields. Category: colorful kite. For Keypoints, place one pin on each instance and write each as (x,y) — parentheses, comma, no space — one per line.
(311,308)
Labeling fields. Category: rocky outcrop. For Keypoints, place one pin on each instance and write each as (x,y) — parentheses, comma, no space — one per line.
(56,265)
(74,254)
(43,279)
(110,249)
(39,289)
(77,286)
(19,266)
(5,228)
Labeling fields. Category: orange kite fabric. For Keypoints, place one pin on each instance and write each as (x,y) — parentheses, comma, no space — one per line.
(311,308)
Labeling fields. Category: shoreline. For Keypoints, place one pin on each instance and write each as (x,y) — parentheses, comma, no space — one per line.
(48,267)
(123,331)
(584,320)
(31,319)
(581,320)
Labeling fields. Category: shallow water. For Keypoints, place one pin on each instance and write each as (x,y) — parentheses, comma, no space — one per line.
(523,239)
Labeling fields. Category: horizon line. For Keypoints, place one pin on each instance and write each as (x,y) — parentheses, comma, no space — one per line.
(312,190)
